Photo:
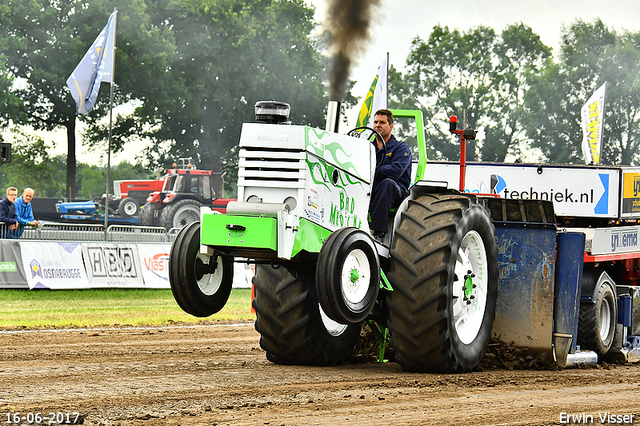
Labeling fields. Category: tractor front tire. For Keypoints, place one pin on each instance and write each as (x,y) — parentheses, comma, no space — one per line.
(199,289)
(293,329)
(444,273)
(180,214)
(149,214)
(348,275)
(128,207)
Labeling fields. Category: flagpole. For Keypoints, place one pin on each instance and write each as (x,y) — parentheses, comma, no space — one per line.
(386,83)
(113,68)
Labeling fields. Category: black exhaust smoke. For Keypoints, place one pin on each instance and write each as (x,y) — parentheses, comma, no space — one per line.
(348,22)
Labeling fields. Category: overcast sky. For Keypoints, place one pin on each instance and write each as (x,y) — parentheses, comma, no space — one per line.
(397,22)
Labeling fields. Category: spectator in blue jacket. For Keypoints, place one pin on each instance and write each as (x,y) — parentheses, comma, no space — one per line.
(393,177)
(24,212)
(8,214)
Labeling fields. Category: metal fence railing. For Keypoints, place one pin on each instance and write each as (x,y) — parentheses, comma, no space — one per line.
(92,232)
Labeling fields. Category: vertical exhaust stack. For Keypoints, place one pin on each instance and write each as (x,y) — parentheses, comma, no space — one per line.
(333,116)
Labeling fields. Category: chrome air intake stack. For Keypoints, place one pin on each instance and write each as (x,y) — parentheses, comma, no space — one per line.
(333,116)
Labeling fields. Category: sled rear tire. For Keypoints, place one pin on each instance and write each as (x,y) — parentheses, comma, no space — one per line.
(597,319)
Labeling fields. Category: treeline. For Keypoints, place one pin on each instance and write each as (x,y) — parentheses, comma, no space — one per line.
(525,101)
(191,71)
(32,166)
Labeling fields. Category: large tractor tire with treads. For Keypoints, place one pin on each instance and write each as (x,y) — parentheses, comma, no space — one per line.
(444,273)
(293,329)
(598,317)
(180,214)
(200,284)
(149,214)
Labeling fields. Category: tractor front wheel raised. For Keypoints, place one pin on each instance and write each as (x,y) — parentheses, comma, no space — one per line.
(200,284)
(293,328)
(348,275)
(444,273)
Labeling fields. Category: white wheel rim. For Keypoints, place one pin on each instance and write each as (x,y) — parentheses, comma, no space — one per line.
(355,277)
(130,208)
(209,284)
(333,328)
(605,319)
(469,303)
(185,216)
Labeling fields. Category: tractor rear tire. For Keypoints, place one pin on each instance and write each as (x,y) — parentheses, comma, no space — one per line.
(198,290)
(597,320)
(293,329)
(149,214)
(180,214)
(444,274)
(128,207)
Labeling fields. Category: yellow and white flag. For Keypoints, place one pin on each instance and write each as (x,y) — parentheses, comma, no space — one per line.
(592,126)
(376,97)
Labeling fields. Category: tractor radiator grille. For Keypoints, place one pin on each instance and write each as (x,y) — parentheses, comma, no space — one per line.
(271,167)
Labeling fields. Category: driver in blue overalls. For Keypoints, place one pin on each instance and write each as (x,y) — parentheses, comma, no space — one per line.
(392,178)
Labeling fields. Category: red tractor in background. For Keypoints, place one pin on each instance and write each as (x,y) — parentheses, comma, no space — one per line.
(129,195)
(178,203)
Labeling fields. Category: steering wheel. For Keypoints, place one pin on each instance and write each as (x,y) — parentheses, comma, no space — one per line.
(359,131)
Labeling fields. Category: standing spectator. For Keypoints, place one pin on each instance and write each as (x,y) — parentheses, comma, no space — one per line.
(24,212)
(8,214)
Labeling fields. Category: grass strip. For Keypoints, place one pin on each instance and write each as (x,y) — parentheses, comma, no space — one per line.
(93,307)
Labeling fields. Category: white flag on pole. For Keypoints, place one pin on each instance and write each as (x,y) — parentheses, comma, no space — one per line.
(592,126)
(95,67)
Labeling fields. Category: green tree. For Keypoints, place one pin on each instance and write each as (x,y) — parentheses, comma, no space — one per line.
(591,54)
(229,54)
(475,72)
(44,40)
(192,69)
(32,166)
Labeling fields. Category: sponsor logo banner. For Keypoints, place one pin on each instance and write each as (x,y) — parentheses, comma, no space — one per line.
(54,265)
(154,264)
(112,265)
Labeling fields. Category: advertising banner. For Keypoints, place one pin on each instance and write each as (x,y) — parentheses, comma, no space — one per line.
(631,193)
(592,126)
(11,271)
(154,264)
(50,265)
(112,265)
(580,191)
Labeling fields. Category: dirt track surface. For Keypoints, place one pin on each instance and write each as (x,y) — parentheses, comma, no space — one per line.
(218,375)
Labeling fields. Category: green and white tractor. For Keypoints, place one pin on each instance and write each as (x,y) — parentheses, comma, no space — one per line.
(301,216)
